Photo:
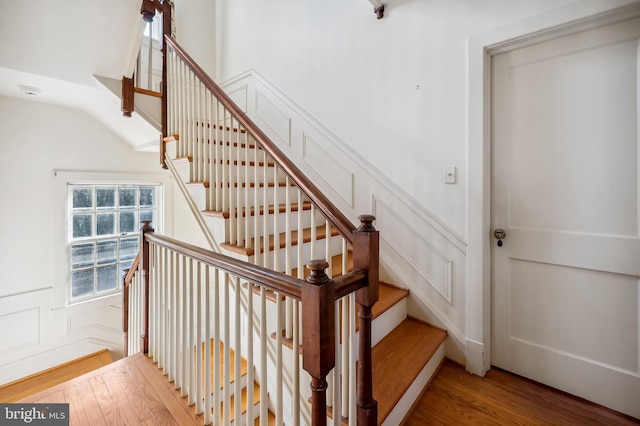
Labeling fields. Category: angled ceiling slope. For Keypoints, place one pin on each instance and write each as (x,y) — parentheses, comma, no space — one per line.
(59,47)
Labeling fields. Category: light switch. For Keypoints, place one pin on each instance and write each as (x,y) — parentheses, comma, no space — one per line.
(450,174)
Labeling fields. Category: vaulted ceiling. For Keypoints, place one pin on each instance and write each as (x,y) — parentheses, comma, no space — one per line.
(56,48)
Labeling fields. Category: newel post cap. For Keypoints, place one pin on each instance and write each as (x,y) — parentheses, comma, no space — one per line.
(366,223)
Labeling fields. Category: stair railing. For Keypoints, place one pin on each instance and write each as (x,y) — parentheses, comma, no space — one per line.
(185,296)
(263,194)
(245,176)
(132,320)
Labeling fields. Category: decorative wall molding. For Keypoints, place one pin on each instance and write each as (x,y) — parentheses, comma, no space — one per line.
(430,263)
(273,117)
(329,168)
(107,318)
(36,335)
(419,251)
(239,96)
(20,329)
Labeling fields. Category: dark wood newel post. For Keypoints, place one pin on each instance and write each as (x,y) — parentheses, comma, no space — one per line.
(144,269)
(318,332)
(366,250)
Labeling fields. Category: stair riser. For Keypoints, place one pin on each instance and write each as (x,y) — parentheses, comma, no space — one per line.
(229,176)
(220,226)
(335,248)
(200,194)
(226,152)
(243,418)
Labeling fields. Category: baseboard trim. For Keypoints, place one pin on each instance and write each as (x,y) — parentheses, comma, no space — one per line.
(33,383)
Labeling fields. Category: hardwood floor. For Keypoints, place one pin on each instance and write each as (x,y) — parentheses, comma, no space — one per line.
(15,391)
(131,391)
(134,391)
(456,397)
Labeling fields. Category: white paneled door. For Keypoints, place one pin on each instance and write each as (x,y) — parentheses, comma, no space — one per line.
(565,191)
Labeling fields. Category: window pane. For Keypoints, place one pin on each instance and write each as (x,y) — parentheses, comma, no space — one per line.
(148,215)
(82,225)
(128,248)
(106,197)
(82,198)
(106,223)
(128,222)
(107,218)
(147,196)
(82,282)
(127,197)
(107,251)
(107,277)
(82,255)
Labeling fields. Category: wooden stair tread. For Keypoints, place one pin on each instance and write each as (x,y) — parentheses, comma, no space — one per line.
(243,184)
(336,262)
(38,382)
(256,400)
(243,363)
(389,295)
(398,359)
(189,159)
(175,138)
(306,237)
(336,266)
(282,208)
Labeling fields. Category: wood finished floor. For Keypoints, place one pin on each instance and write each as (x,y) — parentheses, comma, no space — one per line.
(131,391)
(15,391)
(456,397)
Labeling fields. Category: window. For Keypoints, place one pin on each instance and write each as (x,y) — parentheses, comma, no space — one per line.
(103,231)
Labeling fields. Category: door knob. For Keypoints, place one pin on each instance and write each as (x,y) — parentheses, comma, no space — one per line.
(500,235)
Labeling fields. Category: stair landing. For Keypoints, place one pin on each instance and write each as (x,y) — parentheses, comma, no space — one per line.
(131,391)
(22,388)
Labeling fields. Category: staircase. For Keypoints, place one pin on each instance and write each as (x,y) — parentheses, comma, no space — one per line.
(255,206)
(406,352)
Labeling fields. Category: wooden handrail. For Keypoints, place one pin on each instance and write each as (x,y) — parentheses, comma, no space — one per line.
(317,294)
(132,270)
(276,281)
(125,301)
(331,212)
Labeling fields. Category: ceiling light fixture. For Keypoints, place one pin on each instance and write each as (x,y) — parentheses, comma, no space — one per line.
(29,90)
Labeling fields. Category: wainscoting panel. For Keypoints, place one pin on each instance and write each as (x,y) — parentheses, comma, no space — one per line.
(36,336)
(273,117)
(433,266)
(239,96)
(329,168)
(418,250)
(20,328)
(106,317)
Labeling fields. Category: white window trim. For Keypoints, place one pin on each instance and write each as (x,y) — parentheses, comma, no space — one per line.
(59,225)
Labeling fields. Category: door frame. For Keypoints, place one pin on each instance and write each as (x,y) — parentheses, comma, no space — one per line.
(481,48)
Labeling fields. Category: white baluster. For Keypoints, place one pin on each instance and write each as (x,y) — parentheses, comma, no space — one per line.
(217,361)
(208,335)
(250,363)
(278,395)
(227,352)
(198,339)
(263,357)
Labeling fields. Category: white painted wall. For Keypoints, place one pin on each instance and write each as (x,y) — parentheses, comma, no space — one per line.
(403,98)
(39,330)
(393,89)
